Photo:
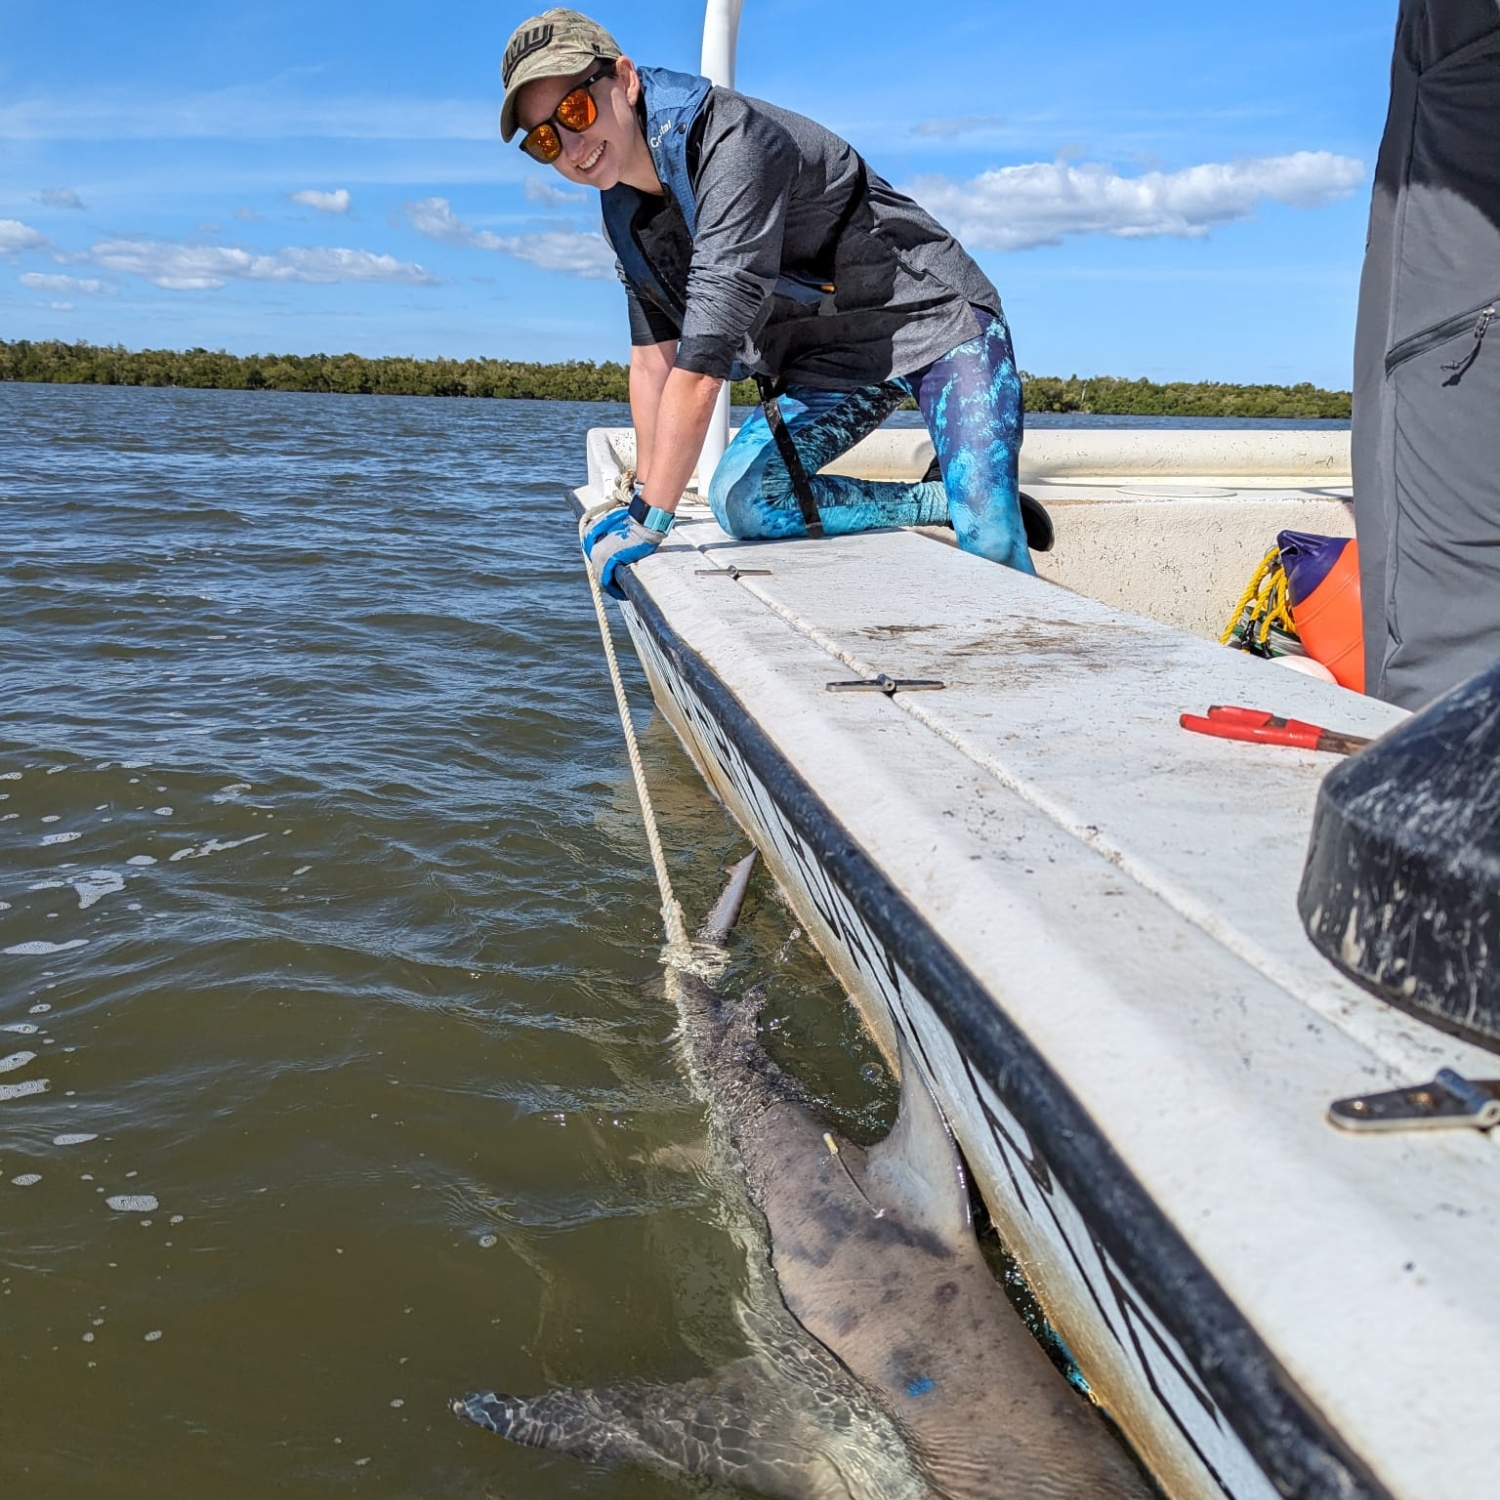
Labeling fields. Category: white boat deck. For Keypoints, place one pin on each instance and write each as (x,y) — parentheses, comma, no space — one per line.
(1126,892)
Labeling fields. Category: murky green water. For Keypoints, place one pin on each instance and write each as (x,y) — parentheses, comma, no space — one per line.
(328,936)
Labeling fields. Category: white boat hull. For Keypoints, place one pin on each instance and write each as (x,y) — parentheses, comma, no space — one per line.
(1083,920)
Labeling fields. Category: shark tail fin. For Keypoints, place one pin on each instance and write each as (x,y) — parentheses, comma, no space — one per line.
(917,1168)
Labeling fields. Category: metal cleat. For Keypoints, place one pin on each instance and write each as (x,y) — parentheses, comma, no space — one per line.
(1450,1099)
(890,686)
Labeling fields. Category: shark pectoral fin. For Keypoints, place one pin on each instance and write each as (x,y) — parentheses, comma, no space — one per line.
(916,1169)
(735,1427)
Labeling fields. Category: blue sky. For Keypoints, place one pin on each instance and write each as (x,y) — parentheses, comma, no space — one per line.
(1157,189)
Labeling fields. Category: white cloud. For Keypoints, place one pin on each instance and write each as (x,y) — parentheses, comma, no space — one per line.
(207,267)
(548,193)
(960,125)
(1019,208)
(14,235)
(435,218)
(336,202)
(571,250)
(61,198)
(576,252)
(40,281)
(248,214)
(61,306)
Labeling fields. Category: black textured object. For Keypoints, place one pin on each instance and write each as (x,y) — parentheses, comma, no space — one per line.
(1402,884)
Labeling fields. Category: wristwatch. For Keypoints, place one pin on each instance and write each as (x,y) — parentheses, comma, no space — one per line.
(652,518)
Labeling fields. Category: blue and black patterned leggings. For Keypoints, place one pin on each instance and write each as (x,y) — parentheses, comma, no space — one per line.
(971,398)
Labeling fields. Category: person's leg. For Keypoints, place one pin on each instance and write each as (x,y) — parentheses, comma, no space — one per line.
(971,399)
(751,493)
(1425,444)
(1442,576)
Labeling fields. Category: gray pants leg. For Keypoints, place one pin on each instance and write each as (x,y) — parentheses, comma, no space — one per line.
(1427,362)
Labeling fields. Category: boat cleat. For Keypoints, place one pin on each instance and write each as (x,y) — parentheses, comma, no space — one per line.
(890,686)
(1449,1100)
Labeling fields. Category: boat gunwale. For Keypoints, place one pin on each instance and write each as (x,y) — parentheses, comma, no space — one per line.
(1281,1427)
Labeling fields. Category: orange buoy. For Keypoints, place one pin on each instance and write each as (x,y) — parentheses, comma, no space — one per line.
(1322,574)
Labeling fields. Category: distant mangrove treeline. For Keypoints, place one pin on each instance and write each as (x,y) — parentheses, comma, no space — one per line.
(580,380)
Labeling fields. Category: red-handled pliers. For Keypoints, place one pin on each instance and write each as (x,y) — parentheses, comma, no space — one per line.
(1230,722)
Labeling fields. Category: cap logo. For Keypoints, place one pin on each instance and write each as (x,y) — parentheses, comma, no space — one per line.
(523,44)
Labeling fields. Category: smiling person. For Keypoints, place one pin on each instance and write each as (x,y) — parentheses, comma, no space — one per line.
(754,241)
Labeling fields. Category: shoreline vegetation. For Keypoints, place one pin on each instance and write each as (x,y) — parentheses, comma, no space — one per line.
(56,363)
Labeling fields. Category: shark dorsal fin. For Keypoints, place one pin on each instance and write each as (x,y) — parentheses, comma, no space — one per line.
(916,1169)
(719,923)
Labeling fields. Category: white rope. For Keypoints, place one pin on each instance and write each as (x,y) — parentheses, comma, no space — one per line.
(671,912)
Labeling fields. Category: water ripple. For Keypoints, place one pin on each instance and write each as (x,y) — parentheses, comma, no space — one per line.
(327,925)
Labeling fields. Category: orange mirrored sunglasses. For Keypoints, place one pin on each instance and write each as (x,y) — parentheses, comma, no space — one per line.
(576,112)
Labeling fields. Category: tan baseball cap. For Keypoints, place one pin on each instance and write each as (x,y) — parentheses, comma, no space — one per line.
(552,45)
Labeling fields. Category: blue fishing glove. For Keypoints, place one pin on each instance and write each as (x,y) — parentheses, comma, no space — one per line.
(623,536)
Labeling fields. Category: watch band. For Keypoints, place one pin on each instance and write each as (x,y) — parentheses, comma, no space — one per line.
(650,516)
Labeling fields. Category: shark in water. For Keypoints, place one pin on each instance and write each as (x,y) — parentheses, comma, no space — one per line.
(886,1362)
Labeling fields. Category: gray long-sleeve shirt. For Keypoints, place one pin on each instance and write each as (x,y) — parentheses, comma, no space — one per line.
(775,195)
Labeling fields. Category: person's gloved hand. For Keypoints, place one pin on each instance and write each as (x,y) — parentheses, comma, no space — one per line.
(616,539)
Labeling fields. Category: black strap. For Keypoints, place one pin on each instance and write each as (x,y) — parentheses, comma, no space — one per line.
(769,403)
(801,488)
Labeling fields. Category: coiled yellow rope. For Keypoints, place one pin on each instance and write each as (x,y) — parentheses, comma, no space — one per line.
(1267,601)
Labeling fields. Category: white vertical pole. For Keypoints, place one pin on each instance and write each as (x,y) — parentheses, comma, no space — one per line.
(721,29)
